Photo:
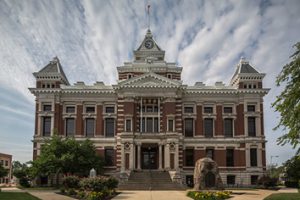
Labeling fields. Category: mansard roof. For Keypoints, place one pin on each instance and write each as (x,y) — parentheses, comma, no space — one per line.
(245,68)
(54,68)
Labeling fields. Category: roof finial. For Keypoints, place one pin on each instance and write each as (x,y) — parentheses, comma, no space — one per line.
(148,12)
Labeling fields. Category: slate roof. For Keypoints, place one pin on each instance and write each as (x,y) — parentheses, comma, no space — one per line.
(54,66)
(245,68)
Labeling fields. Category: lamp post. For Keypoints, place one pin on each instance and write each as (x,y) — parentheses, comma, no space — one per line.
(271,165)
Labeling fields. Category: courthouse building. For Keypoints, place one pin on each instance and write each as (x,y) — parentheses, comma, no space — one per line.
(150,119)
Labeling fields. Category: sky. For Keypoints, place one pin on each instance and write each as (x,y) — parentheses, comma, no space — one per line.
(92,38)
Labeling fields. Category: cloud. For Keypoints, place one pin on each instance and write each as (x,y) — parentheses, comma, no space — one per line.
(91,38)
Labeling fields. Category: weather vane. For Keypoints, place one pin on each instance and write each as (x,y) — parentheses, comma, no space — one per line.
(148,12)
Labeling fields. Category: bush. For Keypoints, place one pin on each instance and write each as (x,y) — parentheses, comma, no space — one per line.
(71,182)
(291,184)
(24,182)
(98,184)
(219,195)
(81,194)
(95,196)
(71,192)
(267,182)
(62,190)
(111,183)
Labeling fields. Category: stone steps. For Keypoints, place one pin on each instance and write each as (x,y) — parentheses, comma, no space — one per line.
(150,180)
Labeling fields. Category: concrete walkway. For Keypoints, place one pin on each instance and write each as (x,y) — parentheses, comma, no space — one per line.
(49,195)
(152,195)
(181,195)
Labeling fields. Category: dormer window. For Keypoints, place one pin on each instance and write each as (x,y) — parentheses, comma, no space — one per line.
(129,76)
(169,76)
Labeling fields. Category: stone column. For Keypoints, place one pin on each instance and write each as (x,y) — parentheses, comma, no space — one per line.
(132,157)
(122,158)
(176,159)
(167,156)
(160,156)
(139,156)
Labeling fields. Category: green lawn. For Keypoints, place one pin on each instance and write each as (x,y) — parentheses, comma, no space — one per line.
(283,196)
(17,196)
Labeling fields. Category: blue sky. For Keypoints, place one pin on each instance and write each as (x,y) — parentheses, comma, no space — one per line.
(91,38)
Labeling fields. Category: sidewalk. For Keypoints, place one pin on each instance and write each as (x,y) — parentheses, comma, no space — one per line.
(258,194)
(49,195)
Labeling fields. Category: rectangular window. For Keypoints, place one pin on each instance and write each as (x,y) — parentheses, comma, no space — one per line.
(251,108)
(6,163)
(227,109)
(90,127)
(70,126)
(208,127)
(109,127)
(251,127)
(210,153)
(230,179)
(46,126)
(109,157)
(128,125)
(189,127)
(70,109)
(254,179)
(155,108)
(149,109)
(228,127)
(208,109)
(189,157)
(143,125)
(47,107)
(90,109)
(156,125)
(188,109)
(149,125)
(109,109)
(170,125)
(229,157)
(253,157)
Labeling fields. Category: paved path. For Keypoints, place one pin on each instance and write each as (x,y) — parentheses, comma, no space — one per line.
(49,195)
(152,195)
(181,195)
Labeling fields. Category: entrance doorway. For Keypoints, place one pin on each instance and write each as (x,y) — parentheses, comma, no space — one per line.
(149,156)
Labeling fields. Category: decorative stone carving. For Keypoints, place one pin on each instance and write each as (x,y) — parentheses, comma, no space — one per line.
(206,175)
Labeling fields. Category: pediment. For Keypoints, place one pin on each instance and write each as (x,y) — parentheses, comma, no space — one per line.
(150,80)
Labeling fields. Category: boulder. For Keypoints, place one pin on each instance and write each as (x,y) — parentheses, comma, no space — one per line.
(206,175)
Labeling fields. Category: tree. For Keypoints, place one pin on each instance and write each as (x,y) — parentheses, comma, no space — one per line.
(288,102)
(3,171)
(66,156)
(293,168)
(22,172)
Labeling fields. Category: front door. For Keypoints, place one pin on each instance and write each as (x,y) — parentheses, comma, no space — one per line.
(149,158)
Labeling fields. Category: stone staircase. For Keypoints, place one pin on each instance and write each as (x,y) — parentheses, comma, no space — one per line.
(150,180)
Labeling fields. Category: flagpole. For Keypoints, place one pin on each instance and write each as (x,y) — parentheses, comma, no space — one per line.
(148,11)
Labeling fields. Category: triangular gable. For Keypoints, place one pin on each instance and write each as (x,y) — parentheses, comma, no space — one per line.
(150,79)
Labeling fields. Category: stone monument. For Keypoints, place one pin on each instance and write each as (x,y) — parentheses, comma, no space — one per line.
(206,175)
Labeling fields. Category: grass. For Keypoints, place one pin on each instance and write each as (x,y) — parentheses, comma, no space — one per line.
(283,196)
(17,196)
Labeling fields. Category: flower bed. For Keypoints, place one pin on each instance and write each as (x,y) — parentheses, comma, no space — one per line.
(209,195)
(98,188)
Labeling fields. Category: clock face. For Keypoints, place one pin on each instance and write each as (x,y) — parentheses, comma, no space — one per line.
(149,44)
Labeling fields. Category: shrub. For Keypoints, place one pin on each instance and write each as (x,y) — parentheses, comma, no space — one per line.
(93,184)
(111,183)
(291,184)
(71,192)
(24,182)
(62,190)
(218,195)
(267,181)
(95,196)
(81,194)
(71,182)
